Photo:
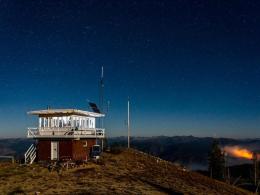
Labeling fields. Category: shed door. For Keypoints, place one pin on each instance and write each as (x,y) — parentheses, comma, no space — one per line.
(54,150)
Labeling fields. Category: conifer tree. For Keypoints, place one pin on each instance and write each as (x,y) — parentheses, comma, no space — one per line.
(216,161)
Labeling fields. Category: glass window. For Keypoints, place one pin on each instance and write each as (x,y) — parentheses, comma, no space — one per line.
(45,122)
(83,123)
(60,122)
(69,122)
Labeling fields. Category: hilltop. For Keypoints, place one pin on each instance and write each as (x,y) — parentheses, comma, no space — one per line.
(125,172)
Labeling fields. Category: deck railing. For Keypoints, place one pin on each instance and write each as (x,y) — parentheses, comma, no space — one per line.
(65,132)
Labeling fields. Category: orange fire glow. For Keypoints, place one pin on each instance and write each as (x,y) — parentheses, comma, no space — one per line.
(238,152)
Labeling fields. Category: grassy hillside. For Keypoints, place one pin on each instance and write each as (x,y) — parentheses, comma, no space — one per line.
(129,172)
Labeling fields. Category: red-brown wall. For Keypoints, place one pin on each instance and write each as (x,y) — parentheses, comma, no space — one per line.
(43,150)
(81,152)
(67,148)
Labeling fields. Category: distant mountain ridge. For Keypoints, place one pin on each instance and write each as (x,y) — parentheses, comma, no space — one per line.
(187,150)
(14,146)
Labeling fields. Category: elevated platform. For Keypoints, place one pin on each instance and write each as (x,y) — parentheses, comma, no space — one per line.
(65,133)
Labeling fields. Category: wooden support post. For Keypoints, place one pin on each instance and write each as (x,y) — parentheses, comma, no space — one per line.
(40,122)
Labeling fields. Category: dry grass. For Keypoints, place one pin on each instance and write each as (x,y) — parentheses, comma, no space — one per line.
(129,172)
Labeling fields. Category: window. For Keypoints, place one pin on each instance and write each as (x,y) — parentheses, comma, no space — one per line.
(91,123)
(70,121)
(83,123)
(60,122)
(45,122)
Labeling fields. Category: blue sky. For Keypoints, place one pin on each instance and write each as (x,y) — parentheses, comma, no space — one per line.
(189,67)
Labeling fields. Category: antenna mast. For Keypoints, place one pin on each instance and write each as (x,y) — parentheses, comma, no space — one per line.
(101,94)
(128,122)
(101,89)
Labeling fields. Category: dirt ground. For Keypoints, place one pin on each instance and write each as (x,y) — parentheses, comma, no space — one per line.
(129,172)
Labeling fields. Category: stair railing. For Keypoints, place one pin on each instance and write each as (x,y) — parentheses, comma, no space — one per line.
(30,155)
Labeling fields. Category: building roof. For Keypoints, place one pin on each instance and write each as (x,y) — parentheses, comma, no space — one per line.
(61,112)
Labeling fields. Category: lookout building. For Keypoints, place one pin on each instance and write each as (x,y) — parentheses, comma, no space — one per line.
(63,133)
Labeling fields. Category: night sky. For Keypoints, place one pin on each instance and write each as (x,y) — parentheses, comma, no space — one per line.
(189,67)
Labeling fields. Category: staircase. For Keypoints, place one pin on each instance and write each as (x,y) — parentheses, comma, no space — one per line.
(30,155)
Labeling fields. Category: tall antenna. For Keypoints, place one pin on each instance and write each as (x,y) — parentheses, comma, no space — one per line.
(102,72)
(101,95)
(128,122)
(101,88)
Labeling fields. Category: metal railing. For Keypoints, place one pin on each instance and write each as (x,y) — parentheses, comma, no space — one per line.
(66,132)
(30,155)
(8,157)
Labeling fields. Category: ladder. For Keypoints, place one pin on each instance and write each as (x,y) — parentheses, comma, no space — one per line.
(30,155)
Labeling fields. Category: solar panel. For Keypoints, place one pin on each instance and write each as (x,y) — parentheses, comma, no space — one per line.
(94,107)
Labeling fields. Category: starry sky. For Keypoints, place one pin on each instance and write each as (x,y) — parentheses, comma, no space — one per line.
(189,67)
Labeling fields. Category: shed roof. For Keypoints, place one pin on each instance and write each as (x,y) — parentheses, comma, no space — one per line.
(60,112)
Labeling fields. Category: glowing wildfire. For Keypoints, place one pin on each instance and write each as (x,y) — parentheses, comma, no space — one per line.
(238,152)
